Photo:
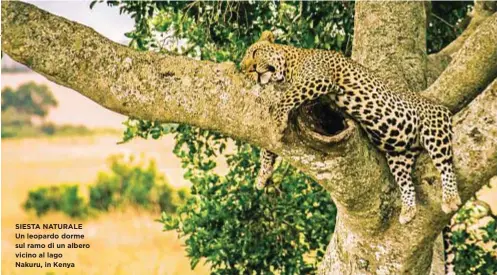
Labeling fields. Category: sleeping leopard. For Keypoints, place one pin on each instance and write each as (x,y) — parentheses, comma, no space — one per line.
(398,123)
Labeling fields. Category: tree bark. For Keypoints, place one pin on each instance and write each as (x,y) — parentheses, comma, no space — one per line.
(478,51)
(439,61)
(368,238)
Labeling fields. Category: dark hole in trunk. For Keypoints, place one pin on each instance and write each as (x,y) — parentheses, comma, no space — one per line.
(326,119)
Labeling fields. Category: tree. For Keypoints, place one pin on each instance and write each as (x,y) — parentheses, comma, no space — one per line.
(30,100)
(337,155)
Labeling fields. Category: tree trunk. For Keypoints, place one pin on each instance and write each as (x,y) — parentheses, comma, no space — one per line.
(389,38)
(395,48)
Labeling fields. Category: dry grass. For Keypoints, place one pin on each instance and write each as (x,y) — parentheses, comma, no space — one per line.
(121,243)
(130,242)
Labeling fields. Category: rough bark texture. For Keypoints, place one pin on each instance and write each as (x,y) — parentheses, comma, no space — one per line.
(468,74)
(368,238)
(482,10)
(396,46)
(439,61)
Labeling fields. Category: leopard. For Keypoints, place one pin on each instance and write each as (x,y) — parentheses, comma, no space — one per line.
(400,123)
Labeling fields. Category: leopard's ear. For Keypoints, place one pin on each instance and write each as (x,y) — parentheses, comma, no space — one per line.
(267,36)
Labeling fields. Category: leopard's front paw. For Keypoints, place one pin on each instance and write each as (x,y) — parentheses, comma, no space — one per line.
(281,120)
(451,203)
(260,184)
(262,180)
(407,214)
(280,130)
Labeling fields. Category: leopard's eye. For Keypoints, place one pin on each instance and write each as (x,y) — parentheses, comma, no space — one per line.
(271,68)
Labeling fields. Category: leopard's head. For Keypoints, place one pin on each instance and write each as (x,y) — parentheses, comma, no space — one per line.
(264,61)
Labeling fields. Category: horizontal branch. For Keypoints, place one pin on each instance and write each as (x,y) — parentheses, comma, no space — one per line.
(144,85)
(474,67)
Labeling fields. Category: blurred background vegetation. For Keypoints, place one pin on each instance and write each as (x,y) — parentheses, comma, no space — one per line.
(128,183)
(24,112)
(223,220)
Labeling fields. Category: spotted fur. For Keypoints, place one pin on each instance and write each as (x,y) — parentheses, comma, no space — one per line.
(398,123)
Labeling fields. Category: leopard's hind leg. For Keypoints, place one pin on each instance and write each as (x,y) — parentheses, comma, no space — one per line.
(401,164)
(266,170)
(436,138)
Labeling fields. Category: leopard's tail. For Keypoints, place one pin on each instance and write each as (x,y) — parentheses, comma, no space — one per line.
(449,253)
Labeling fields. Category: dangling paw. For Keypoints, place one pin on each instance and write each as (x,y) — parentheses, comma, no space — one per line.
(263,176)
(267,159)
(407,214)
(260,183)
(281,120)
(451,203)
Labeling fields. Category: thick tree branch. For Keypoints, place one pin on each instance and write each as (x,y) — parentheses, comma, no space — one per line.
(439,61)
(139,84)
(352,249)
(399,41)
(482,10)
(474,67)
(475,149)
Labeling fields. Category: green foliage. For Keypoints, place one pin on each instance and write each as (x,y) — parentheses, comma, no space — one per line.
(49,129)
(77,130)
(20,106)
(129,183)
(235,228)
(474,243)
(239,229)
(62,198)
(221,31)
(277,232)
(29,99)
